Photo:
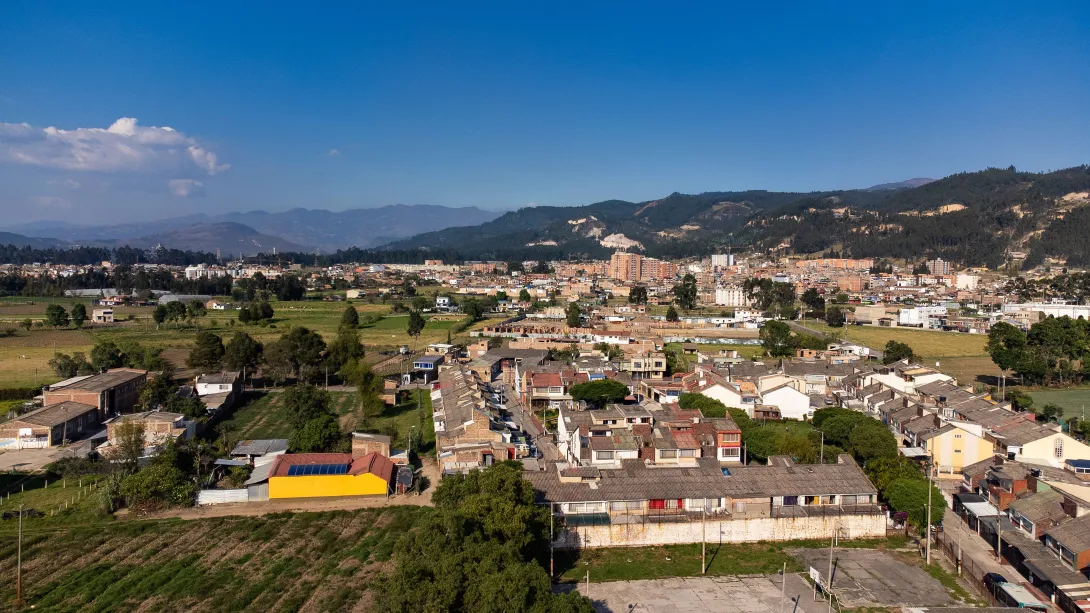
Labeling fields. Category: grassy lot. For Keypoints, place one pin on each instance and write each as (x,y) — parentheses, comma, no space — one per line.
(926,343)
(264,416)
(24,358)
(635,563)
(1075,401)
(281,562)
(62,502)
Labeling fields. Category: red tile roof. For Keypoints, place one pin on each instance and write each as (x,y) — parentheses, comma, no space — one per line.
(376,464)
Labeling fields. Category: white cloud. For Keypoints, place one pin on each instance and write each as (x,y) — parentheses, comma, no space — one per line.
(69,183)
(186,188)
(334,153)
(124,147)
(50,202)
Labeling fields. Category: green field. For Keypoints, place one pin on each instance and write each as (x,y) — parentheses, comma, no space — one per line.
(1075,401)
(24,358)
(281,562)
(928,344)
(263,416)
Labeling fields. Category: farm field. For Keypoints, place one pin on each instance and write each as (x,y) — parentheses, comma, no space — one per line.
(24,358)
(281,562)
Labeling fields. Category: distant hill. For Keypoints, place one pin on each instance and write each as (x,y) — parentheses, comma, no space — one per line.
(9,238)
(972,218)
(909,184)
(317,228)
(230,238)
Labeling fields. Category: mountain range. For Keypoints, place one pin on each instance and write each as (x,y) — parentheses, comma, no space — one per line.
(298,229)
(988,218)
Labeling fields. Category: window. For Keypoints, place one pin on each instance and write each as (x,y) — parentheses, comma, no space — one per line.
(667,453)
(957,451)
(673,504)
(730,437)
(957,436)
(1059,448)
(625,505)
(604,455)
(688,453)
(586,507)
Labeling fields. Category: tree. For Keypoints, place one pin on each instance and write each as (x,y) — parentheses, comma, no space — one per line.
(128,444)
(909,495)
(56,316)
(473,309)
(159,483)
(637,295)
(157,391)
(318,435)
(305,402)
(896,351)
(176,311)
(524,295)
(191,406)
(279,361)
(709,407)
(207,351)
(477,552)
(305,349)
(671,314)
(813,299)
(416,324)
(345,347)
(106,355)
(351,318)
(79,315)
(599,393)
(685,293)
(242,353)
(27,324)
(195,310)
(245,315)
(609,351)
(574,316)
(1006,345)
(501,295)
(265,310)
(834,316)
(776,339)
(872,440)
(541,268)
(1051,412)
(884,471)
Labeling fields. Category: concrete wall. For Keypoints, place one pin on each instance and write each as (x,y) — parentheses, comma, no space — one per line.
(725,531)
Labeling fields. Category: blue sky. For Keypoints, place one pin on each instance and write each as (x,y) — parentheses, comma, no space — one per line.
(501,105)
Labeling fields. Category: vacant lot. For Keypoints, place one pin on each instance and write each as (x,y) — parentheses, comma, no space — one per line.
(302,562)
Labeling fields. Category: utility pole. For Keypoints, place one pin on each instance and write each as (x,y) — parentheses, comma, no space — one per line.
(552,570)
(19,563)
(783,586)
(927,535)
(822,447)
(829,579)
(704,539)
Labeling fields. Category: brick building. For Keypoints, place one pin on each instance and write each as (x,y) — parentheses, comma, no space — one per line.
(113,392)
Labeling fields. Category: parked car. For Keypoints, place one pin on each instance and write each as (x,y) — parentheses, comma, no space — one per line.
(990,579)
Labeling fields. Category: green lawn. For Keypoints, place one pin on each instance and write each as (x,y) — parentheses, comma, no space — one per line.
(398,421)
(63,502)
(926,343)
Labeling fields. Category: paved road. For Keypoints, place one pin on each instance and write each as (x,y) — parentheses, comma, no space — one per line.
(544,442)
(973,547)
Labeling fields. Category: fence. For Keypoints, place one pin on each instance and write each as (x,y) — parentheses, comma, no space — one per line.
(970,570)
(205,497)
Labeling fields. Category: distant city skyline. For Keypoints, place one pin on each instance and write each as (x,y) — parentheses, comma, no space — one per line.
(135,112)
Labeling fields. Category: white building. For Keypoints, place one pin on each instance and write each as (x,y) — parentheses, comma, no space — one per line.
(722,260)
(1074,311)
(730,297)
(920,316)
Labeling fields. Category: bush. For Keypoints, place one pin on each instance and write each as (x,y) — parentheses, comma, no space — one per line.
(156,485)
(19,393)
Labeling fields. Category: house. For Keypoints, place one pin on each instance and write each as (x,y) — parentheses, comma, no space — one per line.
(218,390)
(469,431)
(112,392)
(102,316)
(158,426)
(364,443)
(640,503)
(647,364)
(49,426)
(255,450)
(791,403)
(956,445)
(326,475)
(427,366)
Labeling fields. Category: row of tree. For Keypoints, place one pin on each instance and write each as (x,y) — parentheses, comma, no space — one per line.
(1056,350)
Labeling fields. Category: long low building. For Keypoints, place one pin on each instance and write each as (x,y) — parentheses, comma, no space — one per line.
(645,504)
(49,426)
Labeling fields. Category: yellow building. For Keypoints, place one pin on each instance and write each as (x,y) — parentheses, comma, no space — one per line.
(324,475)
(953,447)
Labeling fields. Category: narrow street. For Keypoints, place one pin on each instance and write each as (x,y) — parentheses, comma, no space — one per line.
(973,547)
(544,442)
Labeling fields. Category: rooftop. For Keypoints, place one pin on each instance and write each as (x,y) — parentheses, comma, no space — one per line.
(107,380)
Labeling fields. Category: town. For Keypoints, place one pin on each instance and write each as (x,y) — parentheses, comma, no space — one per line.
(731,399)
